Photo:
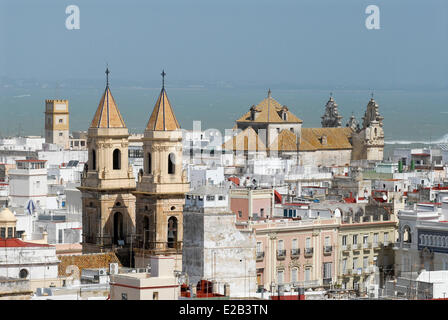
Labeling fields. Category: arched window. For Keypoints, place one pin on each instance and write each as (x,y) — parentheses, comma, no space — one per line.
(149,163)
(172,232)
(93,159)
(23,274)
(146,231)
(117,159)
(171,166)
(118,227)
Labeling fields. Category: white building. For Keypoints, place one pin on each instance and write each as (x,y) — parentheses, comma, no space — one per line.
(199,175)
(214,249)
(25,260)
(423,239)
(28,182)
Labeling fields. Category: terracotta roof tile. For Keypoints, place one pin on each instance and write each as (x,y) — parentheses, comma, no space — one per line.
(87,261)
(285,141)
(107,115)
(162,117)
(337,138)
(274,113)
(247,140)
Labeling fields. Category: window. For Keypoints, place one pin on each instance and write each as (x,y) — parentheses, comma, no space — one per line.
(386,237)
(344,266)
(10,232)
(124,296)
(327,241)
(60,236)
(221,198)
(375,238)
(280,244)
(23,274)
(327,270)
(93,159)
(155,295)
(210,198)
(344,240)
(262,212)
(240,214)
(294,275)
(171,161)
(259,247)
(3,233)
(60,134)
(355,239)
(61,120)
(355,263)
(280,277)
(365,262)
(365,239)
(294,243)
(307,274)
(308,243)
(116,159)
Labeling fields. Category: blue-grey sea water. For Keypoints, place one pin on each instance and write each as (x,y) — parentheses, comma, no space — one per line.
(409,116)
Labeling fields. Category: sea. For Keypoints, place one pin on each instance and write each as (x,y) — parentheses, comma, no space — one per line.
(412,118)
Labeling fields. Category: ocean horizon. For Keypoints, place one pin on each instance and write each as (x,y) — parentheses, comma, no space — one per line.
(410,116)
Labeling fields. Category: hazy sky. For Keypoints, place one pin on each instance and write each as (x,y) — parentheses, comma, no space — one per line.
(306,42)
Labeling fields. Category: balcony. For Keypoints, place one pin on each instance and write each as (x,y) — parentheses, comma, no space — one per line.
(260,256)
(367,245)
(386,244)
(295,253)
(347,247)
(308,252)
(347,272)
(281,254)
(328,250)
(327,281)
(376,245)
(357,246)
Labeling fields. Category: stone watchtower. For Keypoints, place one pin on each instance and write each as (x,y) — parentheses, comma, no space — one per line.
(57,122)
(107,183)
(162,184)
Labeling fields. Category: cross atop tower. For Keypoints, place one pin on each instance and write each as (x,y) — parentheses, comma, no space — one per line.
(163,74)
(107,75)
(371,94)
(269,93)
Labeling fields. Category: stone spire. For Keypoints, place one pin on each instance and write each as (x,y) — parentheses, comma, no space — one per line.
(372,114)
(353,123)
(331,117)
(162,117)
(107,114)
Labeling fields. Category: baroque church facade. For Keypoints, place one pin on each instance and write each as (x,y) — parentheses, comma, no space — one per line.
(270,129)
(134,219)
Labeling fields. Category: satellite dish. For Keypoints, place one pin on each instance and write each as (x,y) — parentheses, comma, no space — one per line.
(384,197)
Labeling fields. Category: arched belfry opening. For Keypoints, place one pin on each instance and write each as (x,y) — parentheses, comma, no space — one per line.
(146,239)
(117,159)
(118,227)
(172,232)
(171,163)
(149,163)
(93,159)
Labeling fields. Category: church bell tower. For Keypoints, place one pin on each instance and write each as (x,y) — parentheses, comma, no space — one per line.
(162,184)
(108,205)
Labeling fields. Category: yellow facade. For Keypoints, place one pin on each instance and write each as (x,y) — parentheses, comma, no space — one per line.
(57,122)
(361,246)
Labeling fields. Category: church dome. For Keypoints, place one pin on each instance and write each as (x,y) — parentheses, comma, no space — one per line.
(7,216)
